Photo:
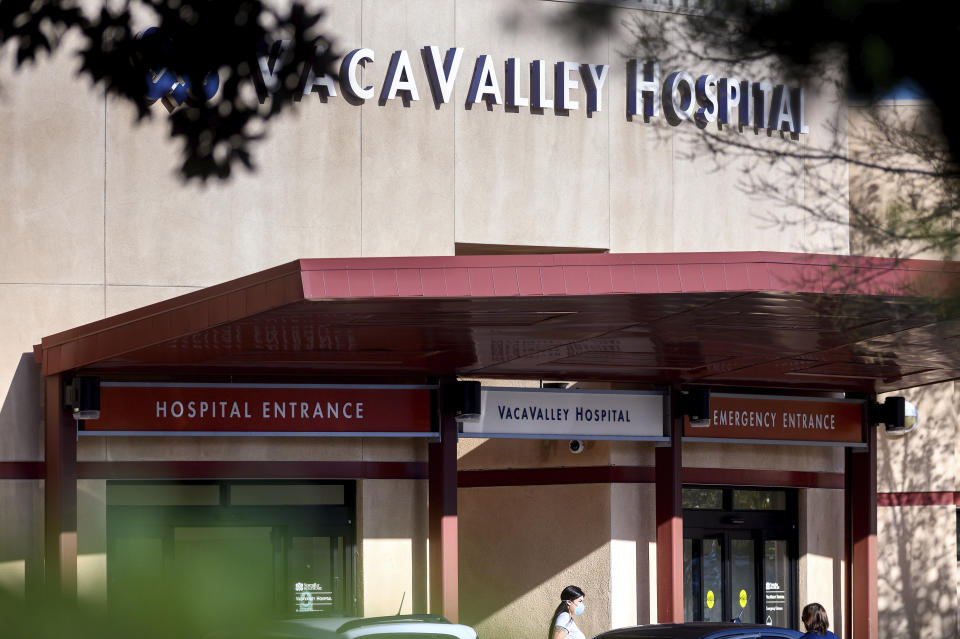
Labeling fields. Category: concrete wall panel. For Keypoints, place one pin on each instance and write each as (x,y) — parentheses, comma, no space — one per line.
(407,147)
(121,299)
(303,200)
(51,172)
(529,178)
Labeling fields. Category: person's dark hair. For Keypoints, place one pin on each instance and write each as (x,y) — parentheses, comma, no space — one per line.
(815,618)
(566,595)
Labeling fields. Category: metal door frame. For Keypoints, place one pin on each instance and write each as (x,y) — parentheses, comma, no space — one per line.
(759,526)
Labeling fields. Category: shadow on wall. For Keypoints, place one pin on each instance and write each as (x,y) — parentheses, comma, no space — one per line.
(520,545)
(21,416)
(917,560)
(21,500)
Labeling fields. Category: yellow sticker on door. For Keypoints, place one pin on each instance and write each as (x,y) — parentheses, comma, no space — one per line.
(710,599)
(743,598)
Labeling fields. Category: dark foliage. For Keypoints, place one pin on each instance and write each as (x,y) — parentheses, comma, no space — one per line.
(191,40)
(884,44)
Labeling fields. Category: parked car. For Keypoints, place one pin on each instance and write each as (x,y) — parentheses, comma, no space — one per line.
(704,630)
(395,627)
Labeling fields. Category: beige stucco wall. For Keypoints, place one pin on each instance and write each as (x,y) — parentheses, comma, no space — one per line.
(392,533)
(21,536)
(92,542)
(249,449)
(926,459)
(821,567)
(897,176)
(917,551)
(633,555)
(521,546)
(827,459)
(917,590)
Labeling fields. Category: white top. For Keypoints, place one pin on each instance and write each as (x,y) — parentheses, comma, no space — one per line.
(565,621)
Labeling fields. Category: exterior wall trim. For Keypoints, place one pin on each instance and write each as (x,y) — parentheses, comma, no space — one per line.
(465,478)
(918,498)
(251,470)
(645,475)
(22,469)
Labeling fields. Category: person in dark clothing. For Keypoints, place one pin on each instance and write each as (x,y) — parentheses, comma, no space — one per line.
(816,622)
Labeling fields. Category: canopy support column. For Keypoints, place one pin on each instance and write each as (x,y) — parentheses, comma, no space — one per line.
(669,529)
(861,469)
(59,493)
(444,571)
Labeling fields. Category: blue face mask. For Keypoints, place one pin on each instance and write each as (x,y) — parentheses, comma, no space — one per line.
(579,609)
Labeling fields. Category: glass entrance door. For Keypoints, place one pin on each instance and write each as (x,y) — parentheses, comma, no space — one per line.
(739,556)
(220,553)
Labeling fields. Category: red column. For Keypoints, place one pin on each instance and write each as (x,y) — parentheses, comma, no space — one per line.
(444,577)
(60,494)
(669,530)
(862,481)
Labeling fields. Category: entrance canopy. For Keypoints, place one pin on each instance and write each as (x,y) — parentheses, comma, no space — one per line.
(773,320)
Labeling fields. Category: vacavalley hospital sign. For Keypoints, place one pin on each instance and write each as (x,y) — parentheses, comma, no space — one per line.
(557,414)
(678,95)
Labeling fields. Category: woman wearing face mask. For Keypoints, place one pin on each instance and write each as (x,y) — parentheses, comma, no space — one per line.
(562,625)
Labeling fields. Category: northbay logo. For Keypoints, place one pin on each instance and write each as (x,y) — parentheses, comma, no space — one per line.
(679,96)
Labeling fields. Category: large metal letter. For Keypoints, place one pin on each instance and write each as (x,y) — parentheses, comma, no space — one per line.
(799,112)
(399,77)
(348,74)
(563,84)
(538,86)
(594,78)
(746,105)
(644,88)
(442,83)
(761,93)
(707,99)
(513,86)
(484,82)
(781,114)
(729,98)
(679,84)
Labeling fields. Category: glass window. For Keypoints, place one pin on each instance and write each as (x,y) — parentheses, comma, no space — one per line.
(283,494)
(703,498)
(777,586)
(712,563)
(759,500)
(173,494)
(743,575)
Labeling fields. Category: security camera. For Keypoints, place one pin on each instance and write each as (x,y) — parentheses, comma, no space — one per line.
(576,446)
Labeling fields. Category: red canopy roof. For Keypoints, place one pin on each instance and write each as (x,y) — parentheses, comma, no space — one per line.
(778,320)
